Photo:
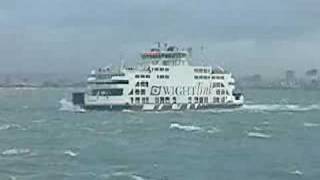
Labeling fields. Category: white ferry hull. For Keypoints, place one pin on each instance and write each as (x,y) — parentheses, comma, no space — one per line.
(164,107)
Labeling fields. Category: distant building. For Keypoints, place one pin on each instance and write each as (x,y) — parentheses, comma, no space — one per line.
(290,80)
(312,79)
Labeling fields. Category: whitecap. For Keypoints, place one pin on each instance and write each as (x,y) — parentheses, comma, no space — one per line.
(306,124)
(258,135)
(69,106)
(185,127)
(9,126)
(128,111)
(14,151)
(5,127)
(257,128)
(71,153)
(213,130)
(12,178)
(297,172)
(136,177)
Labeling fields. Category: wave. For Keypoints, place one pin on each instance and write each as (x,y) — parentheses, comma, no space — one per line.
(213,130)
(257,128)
(127,175)
(306,124)
(185,127)
(259,135)
(280,107)
(9,126)
(14,151)
(69,106)
(296,172)
(71,153)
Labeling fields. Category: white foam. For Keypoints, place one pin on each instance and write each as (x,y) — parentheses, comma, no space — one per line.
(12,178)
(14,151)
(9,126)
(259,135)
(213,130)
(136,177)
(306,124)
(5,127)
(297,172)
(257,128)
(185,127)
(280,107)
(69,106)
(71,153)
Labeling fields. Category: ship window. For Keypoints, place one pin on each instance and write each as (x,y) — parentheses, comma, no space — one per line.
(196,77)
(143,100)
(167,100)
(222,85)
(143,92)
(131,92)
(166,69)
(222,92)
(195,99)
(147,100)
(137,100)
(174,100)
(189,99)
(161,100)
(137,84)
(161,76)
(218,92)
(213,77)
(161,69)
(156,69)
(201,100)
(216,100)
(131,100)
(142,76)
(223,99)
(206,100)
(167,76)
(147,76)
(156,100)
(136,76)
(137,92)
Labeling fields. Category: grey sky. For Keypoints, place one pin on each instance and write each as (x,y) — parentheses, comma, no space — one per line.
(247,36)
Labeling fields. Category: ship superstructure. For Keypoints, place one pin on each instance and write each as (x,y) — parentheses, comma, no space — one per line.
(164,79)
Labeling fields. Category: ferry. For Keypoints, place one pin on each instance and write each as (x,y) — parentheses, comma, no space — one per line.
(164,79)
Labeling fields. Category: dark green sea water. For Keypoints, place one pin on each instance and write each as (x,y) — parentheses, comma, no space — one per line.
(276,135)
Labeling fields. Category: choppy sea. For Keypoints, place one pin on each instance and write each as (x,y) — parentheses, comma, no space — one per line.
(276,135)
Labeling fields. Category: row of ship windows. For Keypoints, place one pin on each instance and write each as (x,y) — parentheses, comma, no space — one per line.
(173,100)
(208,77)
(160,69)
(137,92)
(144,100)
(107,92)
(201,70)
(143,92)
(218,84)
(163,76)
(142,76)
(142,84)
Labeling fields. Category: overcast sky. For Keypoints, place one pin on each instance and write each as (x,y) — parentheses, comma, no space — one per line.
(245,36)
